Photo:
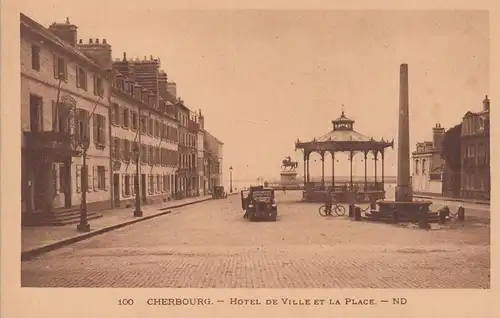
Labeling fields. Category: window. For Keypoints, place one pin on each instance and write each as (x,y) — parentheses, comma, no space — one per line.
(99,130)
(60,68)
(134,121)
(157,128)
(151,155)
(82,132)
(150,127)
(144,154)
(115,110)
(144,124)
(158,183)
(101,178)
(423,166)
(126,150)
(35,57)
(81,78)
(151,186)
(164,184)
(126,118)
(416,166)
(126,185)
(60,117)
(115,148)
(98,86)
(36,113)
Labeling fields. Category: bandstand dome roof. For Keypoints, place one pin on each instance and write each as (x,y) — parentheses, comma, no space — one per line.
(343,137)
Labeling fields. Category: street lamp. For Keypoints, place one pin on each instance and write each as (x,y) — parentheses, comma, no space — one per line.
(231,179)
(84,225)
(137,211)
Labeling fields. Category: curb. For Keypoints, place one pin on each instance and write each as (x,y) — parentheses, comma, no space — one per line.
(29,254)
(451,199)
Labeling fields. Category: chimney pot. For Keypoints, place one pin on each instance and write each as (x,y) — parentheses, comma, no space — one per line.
(67,20)
(90,41)
(151,56)
(124,56)
(104,41)
(81,41)
(97,41)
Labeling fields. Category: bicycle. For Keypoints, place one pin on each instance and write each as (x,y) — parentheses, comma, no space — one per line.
(339,210)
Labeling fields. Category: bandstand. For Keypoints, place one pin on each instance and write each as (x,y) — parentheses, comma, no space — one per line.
(343,138)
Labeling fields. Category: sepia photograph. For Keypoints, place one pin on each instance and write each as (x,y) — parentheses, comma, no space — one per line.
(255,149)
(168,159)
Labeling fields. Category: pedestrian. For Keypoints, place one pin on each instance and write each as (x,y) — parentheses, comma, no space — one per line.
(284,189)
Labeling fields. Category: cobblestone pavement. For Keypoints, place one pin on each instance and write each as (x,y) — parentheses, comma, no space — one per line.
(211,245)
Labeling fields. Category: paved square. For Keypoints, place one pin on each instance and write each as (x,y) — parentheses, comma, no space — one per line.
(211,245)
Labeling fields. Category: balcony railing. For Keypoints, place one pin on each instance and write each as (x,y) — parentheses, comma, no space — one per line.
(58,142)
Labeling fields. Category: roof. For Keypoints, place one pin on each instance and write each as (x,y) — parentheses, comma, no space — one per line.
(43,31)
(343,135)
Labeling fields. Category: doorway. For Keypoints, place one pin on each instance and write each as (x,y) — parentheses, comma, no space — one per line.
(143,188)
(116,188)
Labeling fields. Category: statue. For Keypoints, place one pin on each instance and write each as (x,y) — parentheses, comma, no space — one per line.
(288,163)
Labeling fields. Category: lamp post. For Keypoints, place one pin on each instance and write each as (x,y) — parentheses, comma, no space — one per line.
(137,211)
(84,225)
(231,179)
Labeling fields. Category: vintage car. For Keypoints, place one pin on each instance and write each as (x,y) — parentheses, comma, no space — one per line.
(219,193)
(259,204)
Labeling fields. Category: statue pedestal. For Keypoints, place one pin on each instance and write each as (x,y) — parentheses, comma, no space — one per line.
(288,178)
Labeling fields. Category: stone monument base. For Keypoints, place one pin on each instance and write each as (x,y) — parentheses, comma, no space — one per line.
(288,178)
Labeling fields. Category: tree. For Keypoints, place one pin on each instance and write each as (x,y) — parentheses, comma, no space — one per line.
(451,146)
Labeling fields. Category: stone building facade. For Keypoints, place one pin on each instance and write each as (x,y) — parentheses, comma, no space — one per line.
(475,147)
(144,126)
(428,166)
(74,97)
(213,170)
(64,104)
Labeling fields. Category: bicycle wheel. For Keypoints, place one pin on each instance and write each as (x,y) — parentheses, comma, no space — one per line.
(340,210)
(322,210)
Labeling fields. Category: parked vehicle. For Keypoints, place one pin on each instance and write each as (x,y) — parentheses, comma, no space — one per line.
(219,193)
(259,204)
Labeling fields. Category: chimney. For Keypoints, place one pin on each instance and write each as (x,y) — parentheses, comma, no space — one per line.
(98,51)
(65,31)
(486,103)
(172,89)
(437,137)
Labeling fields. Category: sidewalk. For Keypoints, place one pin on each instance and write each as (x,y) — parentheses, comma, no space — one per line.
(39,239)
(436,197)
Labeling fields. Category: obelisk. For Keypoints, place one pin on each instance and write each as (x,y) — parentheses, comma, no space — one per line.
(404,191)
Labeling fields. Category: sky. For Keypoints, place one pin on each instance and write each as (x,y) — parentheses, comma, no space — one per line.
(265,78)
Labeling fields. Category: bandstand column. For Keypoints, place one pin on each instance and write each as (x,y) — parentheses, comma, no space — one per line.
(308,178)
(366,178)
(351,154)
(382,154)
(322,170)
(333,170)
(375,159)
(305,171)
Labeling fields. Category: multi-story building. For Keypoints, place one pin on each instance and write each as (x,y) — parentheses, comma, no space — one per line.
(64,109)
(475,147)
(213,161)
(428,166)
(188,151)
(201,155)
(144,126)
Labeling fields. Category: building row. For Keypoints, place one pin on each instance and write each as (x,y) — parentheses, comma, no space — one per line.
(123,113)
(470,177)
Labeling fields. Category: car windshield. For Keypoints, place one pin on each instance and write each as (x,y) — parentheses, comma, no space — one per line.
(262,195)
